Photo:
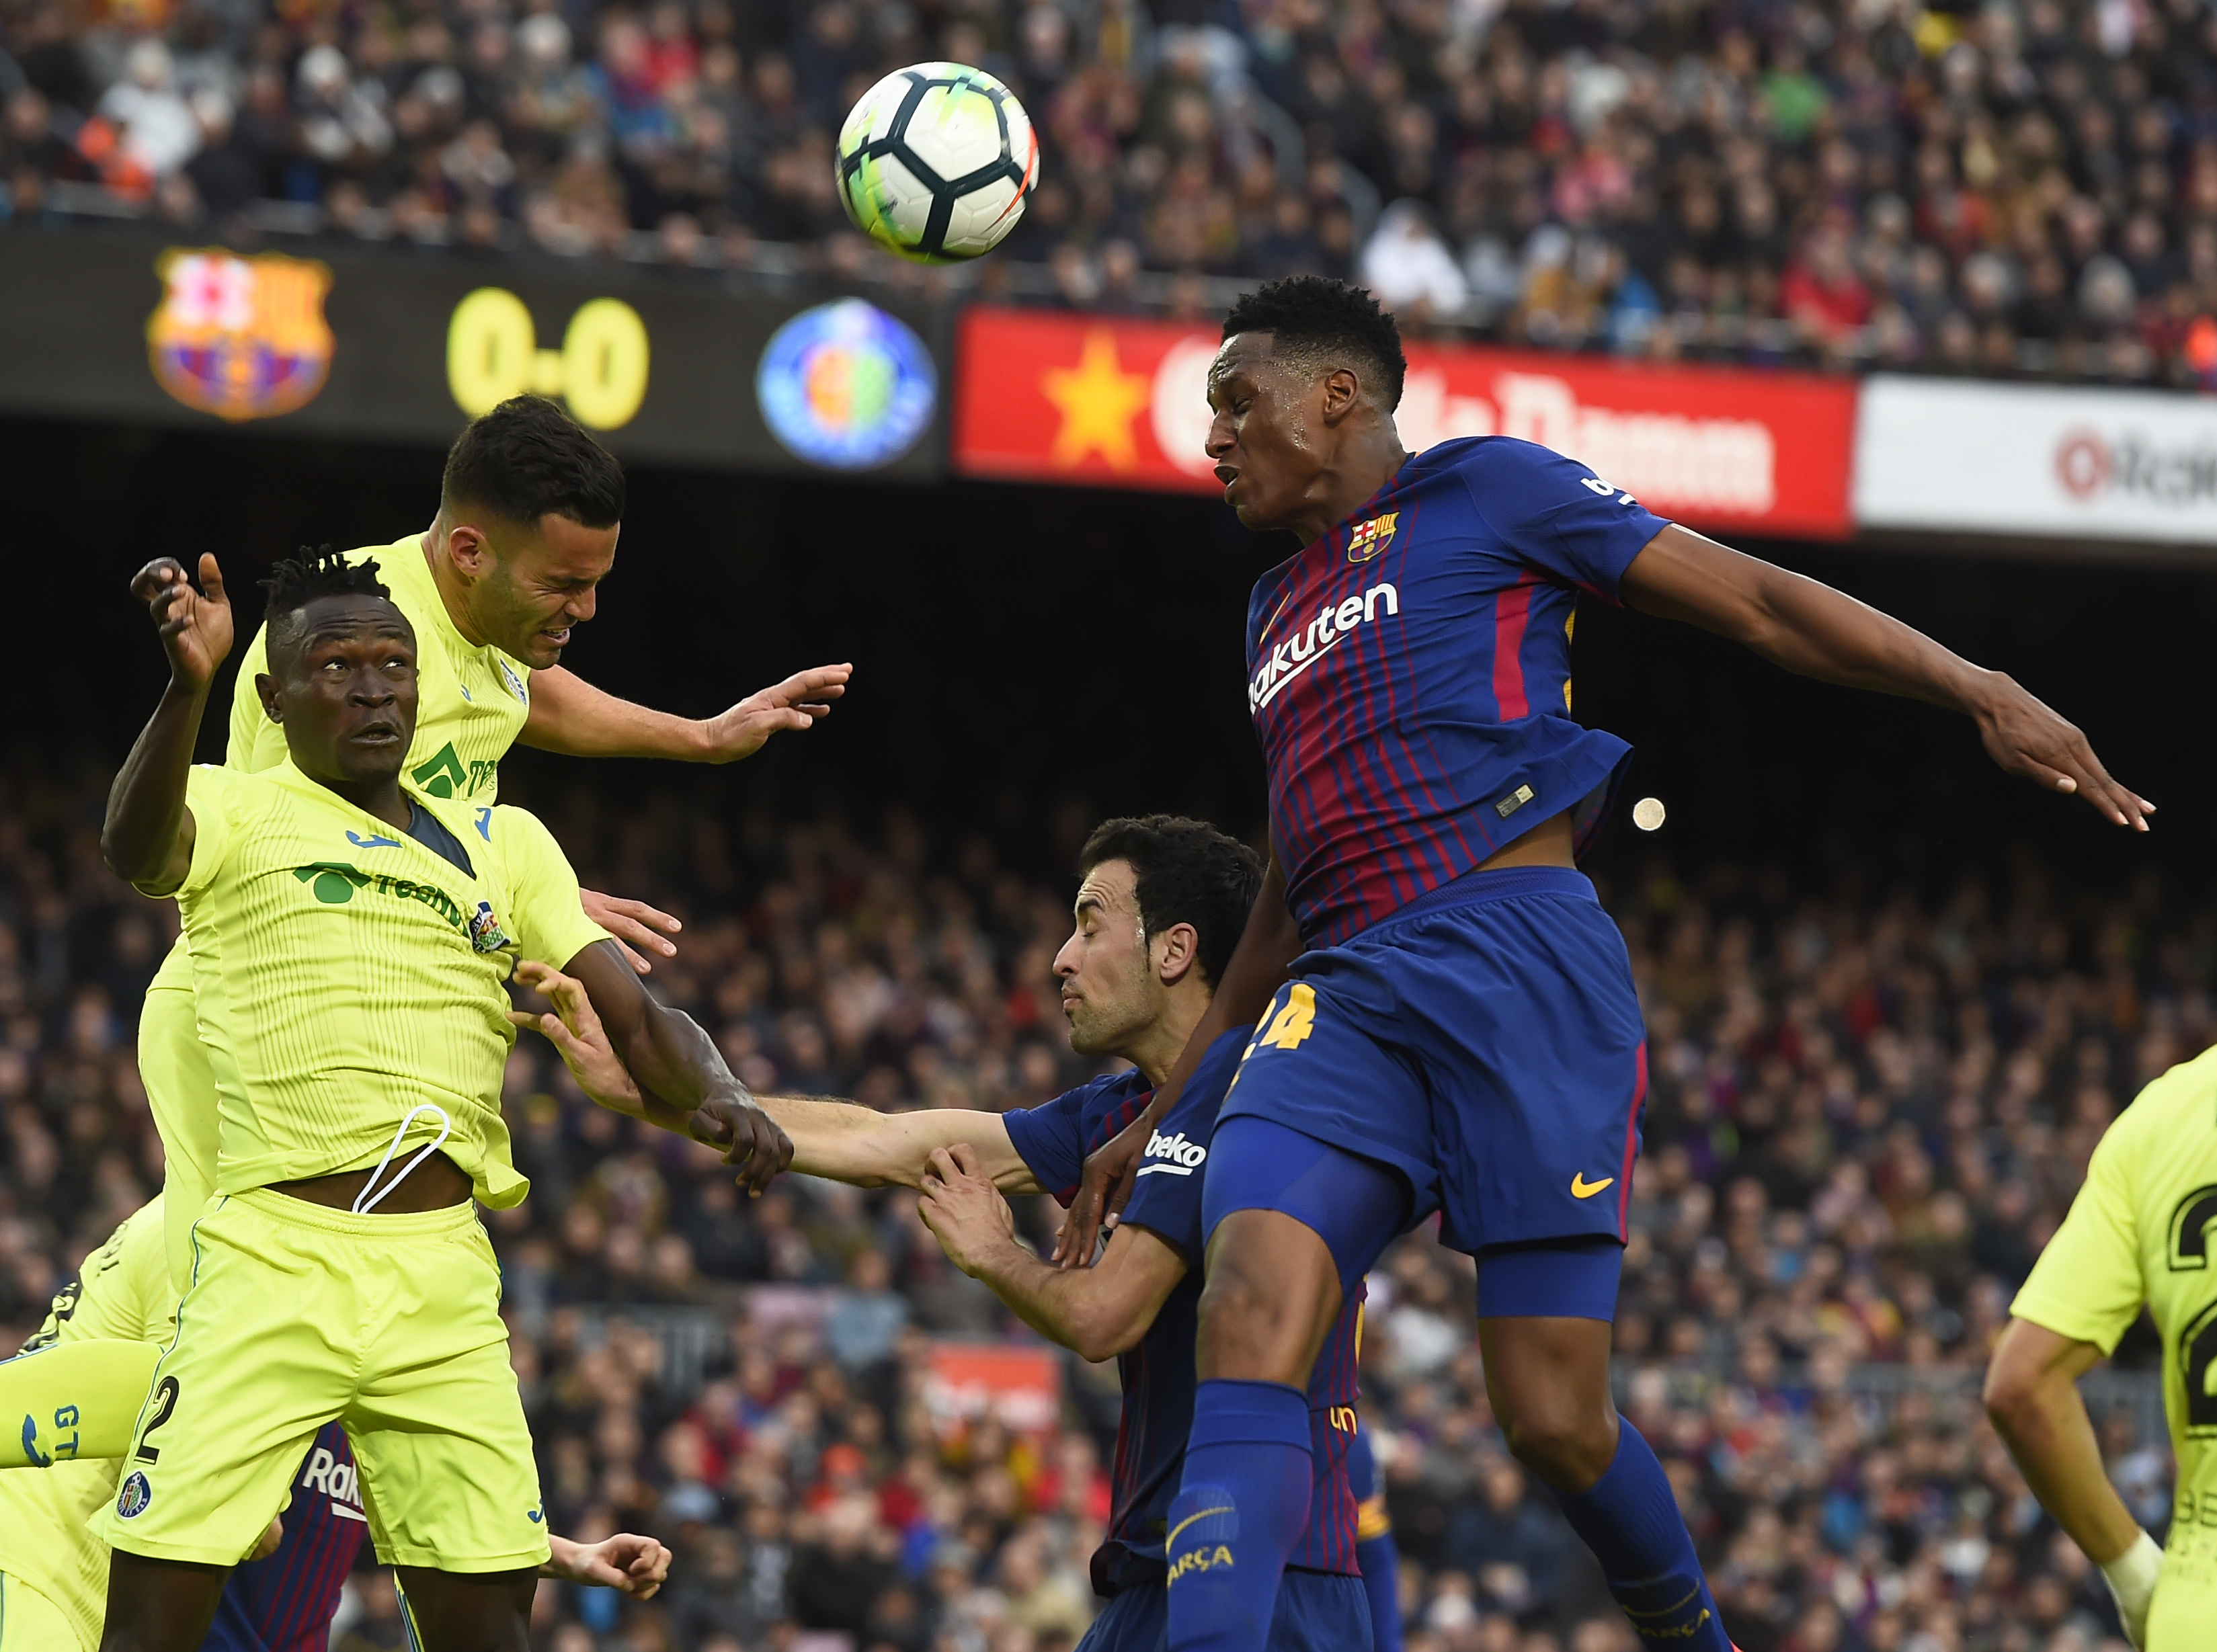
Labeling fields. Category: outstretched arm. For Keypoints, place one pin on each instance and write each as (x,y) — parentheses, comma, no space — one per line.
(1270,941)
(682,1075)
(842,1141)
(147,838)
(1097,1312)
(1816,631)
(569,715)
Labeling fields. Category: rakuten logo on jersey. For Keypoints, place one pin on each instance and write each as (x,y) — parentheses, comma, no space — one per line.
(1317,638)
(340,1481)
(1172,1155)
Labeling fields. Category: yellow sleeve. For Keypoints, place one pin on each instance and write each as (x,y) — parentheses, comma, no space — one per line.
(256,744)
(217,798)
(75,1391)
(544,914)
(2087,1284)
(125,1285)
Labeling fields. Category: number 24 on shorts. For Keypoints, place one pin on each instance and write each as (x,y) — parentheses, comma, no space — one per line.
(1292,1022)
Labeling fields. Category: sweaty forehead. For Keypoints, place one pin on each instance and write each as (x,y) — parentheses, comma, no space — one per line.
(1245,353)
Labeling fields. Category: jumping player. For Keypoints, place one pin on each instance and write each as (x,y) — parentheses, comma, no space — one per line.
(2138,1232)
(530,509)
(1459,1031)
(351,935)
(1162,903)
(53,1572)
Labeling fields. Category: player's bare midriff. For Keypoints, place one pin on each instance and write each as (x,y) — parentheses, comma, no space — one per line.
(1547,844)
(432,1185)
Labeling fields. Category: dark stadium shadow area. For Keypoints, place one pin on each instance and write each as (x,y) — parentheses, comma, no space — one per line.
(1029,658)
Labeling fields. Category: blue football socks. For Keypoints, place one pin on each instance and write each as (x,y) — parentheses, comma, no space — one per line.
(1241,1507)
(1379,1557)
(1629,1518)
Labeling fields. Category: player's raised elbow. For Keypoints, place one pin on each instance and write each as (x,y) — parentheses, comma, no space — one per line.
(131,861)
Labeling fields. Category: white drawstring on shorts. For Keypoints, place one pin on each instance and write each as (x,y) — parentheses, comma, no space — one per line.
(363,1204)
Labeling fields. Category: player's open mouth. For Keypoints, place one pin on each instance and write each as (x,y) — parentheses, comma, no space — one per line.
(377,734)
(557,637)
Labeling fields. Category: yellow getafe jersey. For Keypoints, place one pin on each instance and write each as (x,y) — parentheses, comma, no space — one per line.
(2143,1228)
(345,973)
(471,703)
(122,1291)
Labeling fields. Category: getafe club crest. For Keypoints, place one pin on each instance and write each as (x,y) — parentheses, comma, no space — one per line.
(1368,539)
(242,338)
(131,1502)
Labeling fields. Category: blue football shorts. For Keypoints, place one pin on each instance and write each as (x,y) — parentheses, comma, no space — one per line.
(1485,1044)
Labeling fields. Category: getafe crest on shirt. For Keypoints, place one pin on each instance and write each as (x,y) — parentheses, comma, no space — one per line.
(240,337)
(1366,540)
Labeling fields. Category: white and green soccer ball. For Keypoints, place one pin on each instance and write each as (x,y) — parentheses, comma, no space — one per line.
(935,160)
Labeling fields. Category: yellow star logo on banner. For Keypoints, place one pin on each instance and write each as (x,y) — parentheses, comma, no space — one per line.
(1098,399)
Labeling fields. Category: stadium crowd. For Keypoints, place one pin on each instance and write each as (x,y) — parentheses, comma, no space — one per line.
(1869,1109)
(2010,186)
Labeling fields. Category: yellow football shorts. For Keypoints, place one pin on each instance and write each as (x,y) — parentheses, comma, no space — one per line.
(173,1065)
(31,1623)
(298,1316)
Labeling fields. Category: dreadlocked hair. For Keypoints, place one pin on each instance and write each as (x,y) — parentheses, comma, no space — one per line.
(1321,325)
(295,582)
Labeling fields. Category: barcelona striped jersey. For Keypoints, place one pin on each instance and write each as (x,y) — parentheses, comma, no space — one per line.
(284,1603)
(1409,674)
(1157,1373)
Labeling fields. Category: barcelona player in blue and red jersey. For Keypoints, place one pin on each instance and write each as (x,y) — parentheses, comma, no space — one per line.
(1448,1021)
(1163,904)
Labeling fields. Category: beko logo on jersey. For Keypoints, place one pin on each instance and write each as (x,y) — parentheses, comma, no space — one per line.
(1180,1156)
(1319,637)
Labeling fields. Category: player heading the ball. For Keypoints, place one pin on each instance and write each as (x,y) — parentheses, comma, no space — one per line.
(354,935)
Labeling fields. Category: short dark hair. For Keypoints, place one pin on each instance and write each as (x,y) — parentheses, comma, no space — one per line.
(296,581)
(528,458)
(1185,871)
(1326,323)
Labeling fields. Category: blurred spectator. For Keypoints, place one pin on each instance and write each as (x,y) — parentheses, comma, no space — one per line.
(1832,183)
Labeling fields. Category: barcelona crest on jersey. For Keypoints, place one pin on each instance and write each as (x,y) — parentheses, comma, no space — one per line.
(240,337)
(1366,540)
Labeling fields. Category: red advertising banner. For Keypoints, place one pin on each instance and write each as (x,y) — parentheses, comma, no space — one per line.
(1102,400)
(1020,1384)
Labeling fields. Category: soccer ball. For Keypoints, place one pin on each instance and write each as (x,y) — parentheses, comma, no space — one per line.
(935,160)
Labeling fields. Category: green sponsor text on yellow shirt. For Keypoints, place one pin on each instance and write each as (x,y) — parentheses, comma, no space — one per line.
(344,972)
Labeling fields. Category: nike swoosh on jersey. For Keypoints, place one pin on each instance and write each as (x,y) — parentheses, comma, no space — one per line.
(1581,1188)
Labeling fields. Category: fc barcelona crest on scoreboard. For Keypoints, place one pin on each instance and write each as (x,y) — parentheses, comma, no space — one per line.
(240,337)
